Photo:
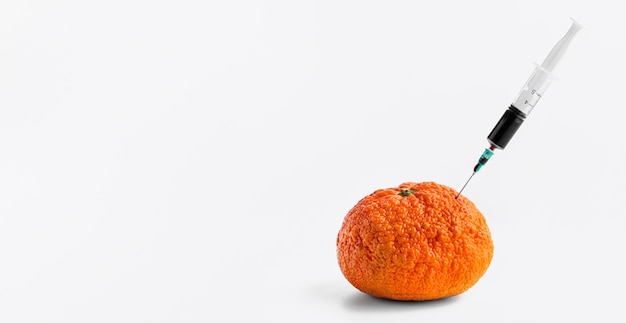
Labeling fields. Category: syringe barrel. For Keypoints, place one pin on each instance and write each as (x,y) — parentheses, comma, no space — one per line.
(532,91)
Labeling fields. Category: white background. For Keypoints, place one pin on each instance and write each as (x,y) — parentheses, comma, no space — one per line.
(192,161)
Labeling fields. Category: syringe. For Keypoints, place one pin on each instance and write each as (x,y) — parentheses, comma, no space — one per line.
(527,99)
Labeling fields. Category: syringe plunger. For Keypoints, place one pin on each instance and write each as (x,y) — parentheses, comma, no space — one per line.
(541,78)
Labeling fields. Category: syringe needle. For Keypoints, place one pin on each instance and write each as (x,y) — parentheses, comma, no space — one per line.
(457,196)
(484,158)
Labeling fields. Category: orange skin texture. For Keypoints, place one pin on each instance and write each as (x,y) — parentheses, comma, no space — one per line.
(423,246)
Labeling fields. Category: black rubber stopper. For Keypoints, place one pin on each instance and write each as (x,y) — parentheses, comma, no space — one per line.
(505,128)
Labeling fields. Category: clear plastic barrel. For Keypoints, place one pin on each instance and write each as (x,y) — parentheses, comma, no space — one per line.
(533,90)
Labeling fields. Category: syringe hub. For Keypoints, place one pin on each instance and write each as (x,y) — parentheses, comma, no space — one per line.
(484,158)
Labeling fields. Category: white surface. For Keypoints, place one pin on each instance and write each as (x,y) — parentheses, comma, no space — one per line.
(192,161)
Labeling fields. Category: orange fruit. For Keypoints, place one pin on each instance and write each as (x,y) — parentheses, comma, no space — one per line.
(414,242)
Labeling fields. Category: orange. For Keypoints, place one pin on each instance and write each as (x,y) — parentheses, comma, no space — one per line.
(414,242)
